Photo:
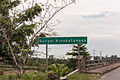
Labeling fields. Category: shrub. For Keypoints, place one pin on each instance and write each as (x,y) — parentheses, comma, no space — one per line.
(27,76)
(59,70)
(8,77)
(33,76)
(1,72)
(41,68)
(71,63)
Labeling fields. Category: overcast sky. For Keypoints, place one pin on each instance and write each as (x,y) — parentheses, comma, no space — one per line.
(99,20)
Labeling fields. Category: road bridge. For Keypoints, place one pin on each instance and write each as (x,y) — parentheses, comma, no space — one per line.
(100,66)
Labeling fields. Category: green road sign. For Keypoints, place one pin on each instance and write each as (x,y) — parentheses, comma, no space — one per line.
(62,40)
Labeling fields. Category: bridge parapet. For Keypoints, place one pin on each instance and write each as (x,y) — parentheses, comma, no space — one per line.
(101,62)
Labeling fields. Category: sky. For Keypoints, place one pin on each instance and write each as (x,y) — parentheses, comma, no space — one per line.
(96,19)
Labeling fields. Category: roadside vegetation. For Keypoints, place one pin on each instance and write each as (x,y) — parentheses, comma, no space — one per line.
(26,76)
(43,76)
(35,70)
(83,76)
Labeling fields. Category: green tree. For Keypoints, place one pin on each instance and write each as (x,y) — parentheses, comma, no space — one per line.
(15,31)
(19,27)
(83,51)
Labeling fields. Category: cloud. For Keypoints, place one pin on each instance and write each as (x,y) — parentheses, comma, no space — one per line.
(99,20)
(93,7)
(97,28)
(94,16)
(101,15)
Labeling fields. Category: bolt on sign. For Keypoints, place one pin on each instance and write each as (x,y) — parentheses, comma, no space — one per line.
(62,40)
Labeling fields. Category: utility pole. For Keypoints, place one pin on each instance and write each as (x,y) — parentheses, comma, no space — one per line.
(46,57)
(100,54)
(94,51)
(94,56)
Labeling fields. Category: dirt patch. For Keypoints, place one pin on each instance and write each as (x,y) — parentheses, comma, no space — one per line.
(10,72)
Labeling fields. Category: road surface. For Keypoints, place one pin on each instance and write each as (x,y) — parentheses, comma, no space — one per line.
(113,75)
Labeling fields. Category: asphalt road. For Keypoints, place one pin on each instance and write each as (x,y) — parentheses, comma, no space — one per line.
(113,75)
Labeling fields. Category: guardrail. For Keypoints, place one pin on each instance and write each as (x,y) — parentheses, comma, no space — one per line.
(101,62)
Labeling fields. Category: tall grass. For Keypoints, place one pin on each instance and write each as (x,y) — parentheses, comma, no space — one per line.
(27,76)
(8,77)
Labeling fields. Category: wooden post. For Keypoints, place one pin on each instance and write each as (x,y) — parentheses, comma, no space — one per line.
(78,58)
(46,57)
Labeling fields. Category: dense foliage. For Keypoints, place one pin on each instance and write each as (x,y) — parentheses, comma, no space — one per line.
(71,63)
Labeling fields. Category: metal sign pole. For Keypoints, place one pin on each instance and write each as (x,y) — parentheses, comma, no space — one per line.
(78,58)
(62,40)
(46,57)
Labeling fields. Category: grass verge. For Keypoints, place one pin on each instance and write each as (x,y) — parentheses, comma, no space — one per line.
(83,76)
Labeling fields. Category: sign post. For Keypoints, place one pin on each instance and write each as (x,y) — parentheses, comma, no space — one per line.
(46,57)
(79,58)
(62,40)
